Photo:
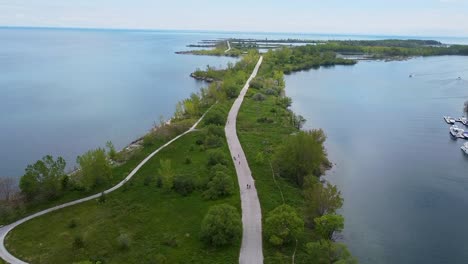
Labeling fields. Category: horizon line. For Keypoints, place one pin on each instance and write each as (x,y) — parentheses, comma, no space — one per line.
(224,31)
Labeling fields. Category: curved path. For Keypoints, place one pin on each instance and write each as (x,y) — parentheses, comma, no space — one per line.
(251,247)
(5,255)
(229,47)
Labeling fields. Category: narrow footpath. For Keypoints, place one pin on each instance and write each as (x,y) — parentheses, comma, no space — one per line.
(5,255)
(251,247)
(229,47)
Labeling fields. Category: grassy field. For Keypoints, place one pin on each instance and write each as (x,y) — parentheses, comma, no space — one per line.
(160,224)
(118,173)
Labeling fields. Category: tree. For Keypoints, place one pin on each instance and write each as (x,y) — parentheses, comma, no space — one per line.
(221,185)
(320,198)
(7,186)
(328,252)
(111,150)
(283,225)
(215,117)
(221,225)
(301,155)
(327,224)
(94,169)
(43,178)
(216,156)
(167,174)
(183,185)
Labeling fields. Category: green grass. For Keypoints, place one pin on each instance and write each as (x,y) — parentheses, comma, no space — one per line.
(146,213)
(118,174)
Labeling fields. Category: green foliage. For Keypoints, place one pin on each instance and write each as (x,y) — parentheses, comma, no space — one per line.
(102,197)
(259,97)
(95,169)
(216,156)
(301,155)
(184,185)
(221,185)
(73,223)
(283,225)
(327,224)
(329,252)
(148,179)
(221,226)
(123,241)
(216,117)
(320,199)
(259,158)
(166,173)
(111,150)
(43,179)
(78,241)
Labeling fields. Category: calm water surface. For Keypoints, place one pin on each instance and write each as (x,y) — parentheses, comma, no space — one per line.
(403,179)
(63,92)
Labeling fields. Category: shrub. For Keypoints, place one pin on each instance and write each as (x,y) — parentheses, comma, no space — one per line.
(216,168)
(123,240)
(216,156)
(183,185)
(221,225)
(215,117)
(72,224)
(220,186)
(159,182)
(213,141)
(148,179)
(170,240)
(78,241)
(215,130)
(259,97)
(265,120)
(102,198)
(270,91)
(188,160)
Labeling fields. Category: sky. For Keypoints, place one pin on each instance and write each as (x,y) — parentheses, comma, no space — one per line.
(379,17)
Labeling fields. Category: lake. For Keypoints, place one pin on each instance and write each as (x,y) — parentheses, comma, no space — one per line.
(63,92)
(403,179)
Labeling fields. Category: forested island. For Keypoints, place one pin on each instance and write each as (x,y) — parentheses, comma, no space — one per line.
(390,49)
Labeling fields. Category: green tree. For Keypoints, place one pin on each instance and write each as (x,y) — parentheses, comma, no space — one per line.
(221,225)
(320,198)
(327,224)
(95,169)
(329,252)
(283,225)
(167,173)
(215,117)
(44,178)
(184,185)
(111,150)
(221,185)
(301,155)
(216,156)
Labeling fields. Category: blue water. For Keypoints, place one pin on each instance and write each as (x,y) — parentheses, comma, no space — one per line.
(403,179)
(63,92)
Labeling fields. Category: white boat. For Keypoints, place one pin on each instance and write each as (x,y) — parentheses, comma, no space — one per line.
(465,148)
(464,120)
(457,132)
(449,120)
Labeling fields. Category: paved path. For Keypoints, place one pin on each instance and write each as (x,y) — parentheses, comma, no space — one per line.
(4,254)
(251,247)
(229,47)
